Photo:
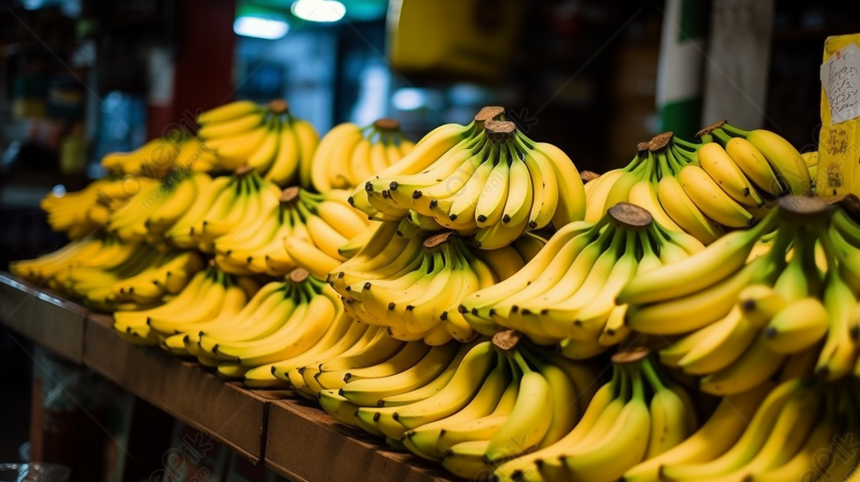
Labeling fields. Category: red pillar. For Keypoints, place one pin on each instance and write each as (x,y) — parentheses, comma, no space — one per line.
(203,66)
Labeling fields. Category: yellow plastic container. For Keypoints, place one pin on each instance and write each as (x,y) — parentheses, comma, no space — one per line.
(838,144)
(472,38)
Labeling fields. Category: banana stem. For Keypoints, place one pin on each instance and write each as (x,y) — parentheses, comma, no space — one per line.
(518,357)
(830,253)
(645,241)
(721,136)
(665,169)
(781,242)
(630,247)
(735,131)
(624,393)
(638,387)
(687,145)
(651,375)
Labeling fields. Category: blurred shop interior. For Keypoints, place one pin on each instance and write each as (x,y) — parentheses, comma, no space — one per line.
(82,78)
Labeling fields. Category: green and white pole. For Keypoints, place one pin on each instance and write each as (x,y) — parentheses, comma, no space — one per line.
(679,72)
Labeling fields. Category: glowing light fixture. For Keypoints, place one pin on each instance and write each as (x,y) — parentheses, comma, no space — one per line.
(268,27)
(319,10)
(408,99)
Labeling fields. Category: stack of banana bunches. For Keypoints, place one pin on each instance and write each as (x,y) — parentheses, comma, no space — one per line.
(470,299)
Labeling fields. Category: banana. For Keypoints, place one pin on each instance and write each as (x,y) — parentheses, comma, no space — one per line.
(330,156)
(797,327)
(546,188)
(668,415)
(462,388)
(264,157)
(725,172)
(623,446)
(227,112)
(746,445)
(839,354)
(425,442)
(717,262)
(727,342)
(644,194)
(491,202)
(790,427)
(309,257)
(707,195)
(620,190)
(723,429)
(753,164)
(369,391)
(757,364)
(760,303)
(520,193)
(806,460)
(530,418)
(338,407)
(571,204)
(606,401)
(466,460)
(680,208)
(284,168)
(596,202)
(308,140)
(780,154)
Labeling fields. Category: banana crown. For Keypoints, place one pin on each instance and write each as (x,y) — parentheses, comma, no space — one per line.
(485,179)
(350,154)
(788,308)
(568,292)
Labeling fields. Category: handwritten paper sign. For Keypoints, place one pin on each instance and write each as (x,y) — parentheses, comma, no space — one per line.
(840,77)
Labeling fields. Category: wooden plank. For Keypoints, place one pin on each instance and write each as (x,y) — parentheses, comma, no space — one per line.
(226,411)
(44,317)
(303,443)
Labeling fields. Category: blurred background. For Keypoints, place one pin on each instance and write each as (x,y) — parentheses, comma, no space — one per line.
(81,78)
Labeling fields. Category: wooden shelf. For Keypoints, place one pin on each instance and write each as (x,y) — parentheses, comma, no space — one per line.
(44,317)
(289,434)
(304,443)
(228,412)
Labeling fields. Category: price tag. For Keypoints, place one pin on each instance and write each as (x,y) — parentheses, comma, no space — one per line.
(840,77)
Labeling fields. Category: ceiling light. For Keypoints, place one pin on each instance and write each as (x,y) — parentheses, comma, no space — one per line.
(259,27)
(319,10)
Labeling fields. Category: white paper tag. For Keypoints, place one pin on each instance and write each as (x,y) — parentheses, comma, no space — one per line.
(840,76)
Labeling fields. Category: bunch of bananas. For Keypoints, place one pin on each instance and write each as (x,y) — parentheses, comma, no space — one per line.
(225,296)
(159,157)
(52,268)
(320,222)
(412,283)
(364,353)
(465,405)
(266,138)
(154,159)
(282,320)
(83,212)
(542,421)
(343,338)
(228,204)
(140,278)
(156,207)
(568,293)
(485,179)
(699,188)
(744,318)
(242,325)
(350,154)
(795,431)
